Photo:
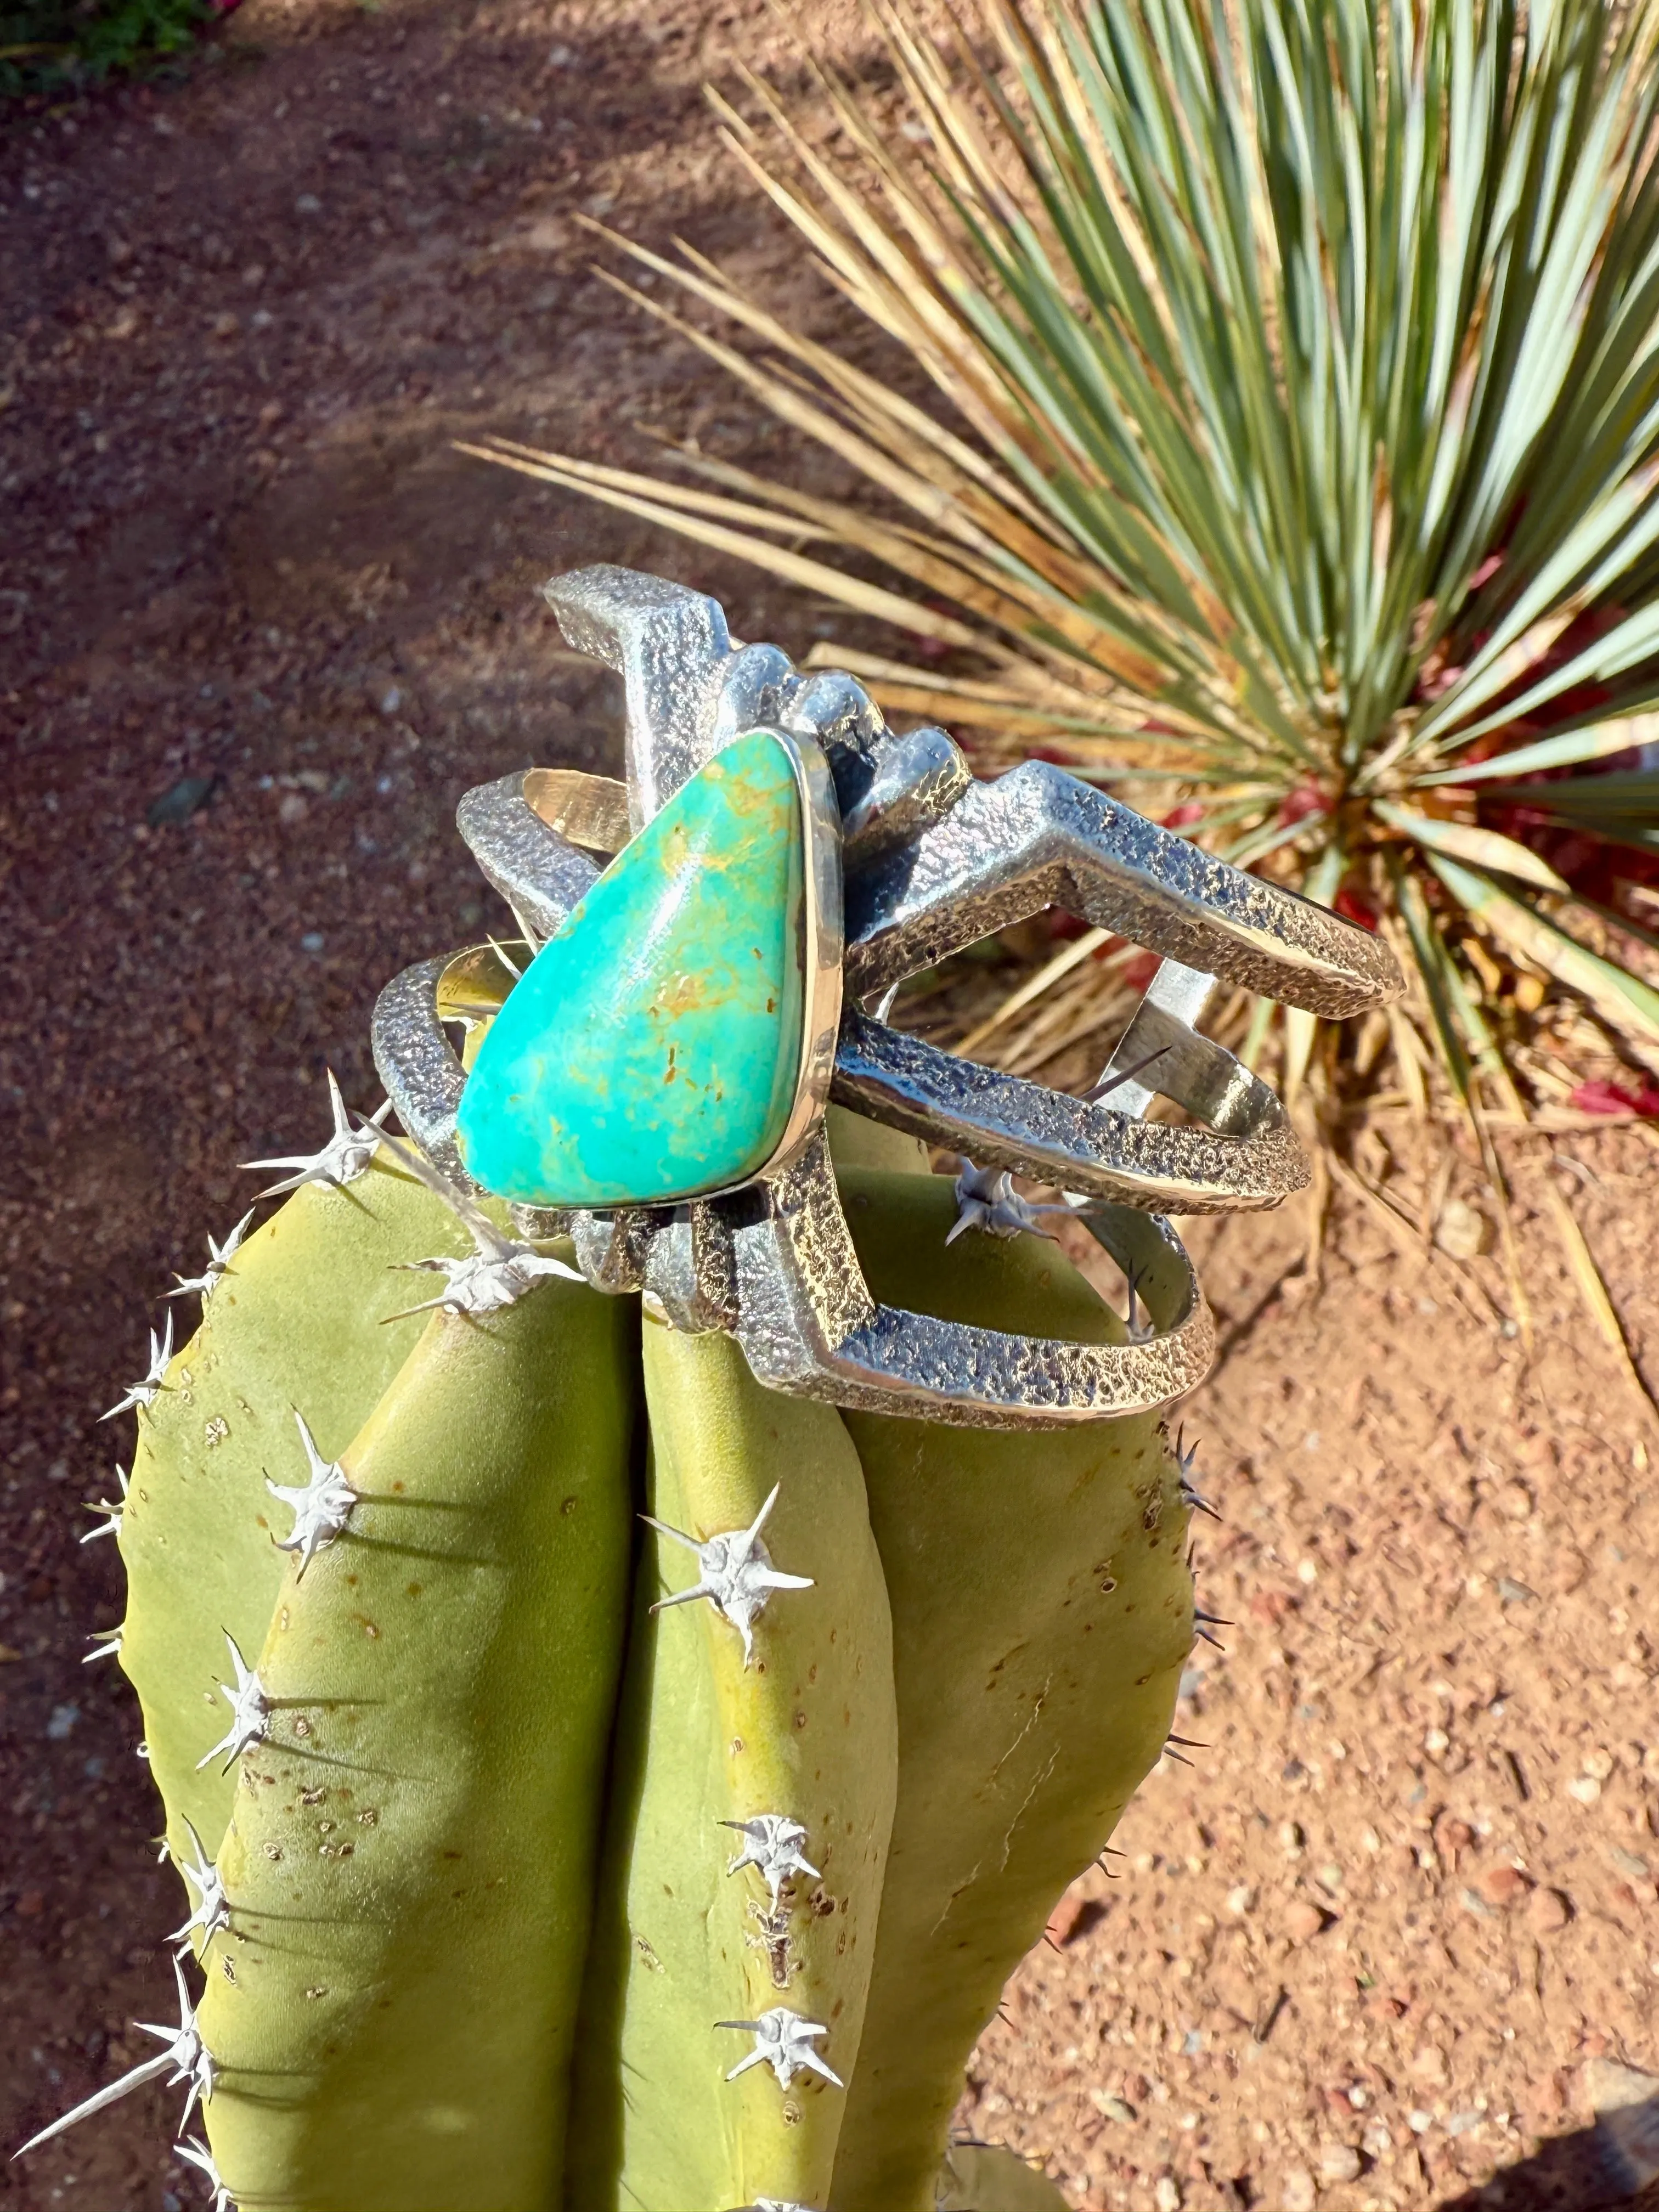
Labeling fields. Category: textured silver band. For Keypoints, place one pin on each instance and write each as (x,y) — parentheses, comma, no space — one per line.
(932,860)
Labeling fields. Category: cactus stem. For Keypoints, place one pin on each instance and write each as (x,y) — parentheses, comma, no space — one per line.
(194,2152)
(321,1505)
(111,1508)
(783,2041)
(736,1573)
(212,1909)
(107,1644)
(249,1713)
(186,2054)
(342,1159)
(219,1259)
(773,1844)
(142,1393)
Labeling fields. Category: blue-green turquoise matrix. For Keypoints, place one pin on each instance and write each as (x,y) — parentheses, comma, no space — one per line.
(651,1050)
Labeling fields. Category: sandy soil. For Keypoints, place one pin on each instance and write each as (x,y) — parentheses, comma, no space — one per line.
(261,628)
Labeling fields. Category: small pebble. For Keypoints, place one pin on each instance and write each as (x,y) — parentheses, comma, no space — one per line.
(1547,1912)
(1302,1920)
(1165,2193)
(1504,1885)
(1338,2162)
(178,804)
(1297,2192)
(1462,1232)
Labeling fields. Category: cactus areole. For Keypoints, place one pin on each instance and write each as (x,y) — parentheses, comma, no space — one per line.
(622,1717)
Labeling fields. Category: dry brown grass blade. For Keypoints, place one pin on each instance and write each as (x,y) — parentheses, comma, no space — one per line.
(1027,699)
(1581,1260)
(884,412)
(596,477)
(1508,1241)
(986,590)
(991,588)
(886,284)
(994,590)
(1064,961)
(832,584)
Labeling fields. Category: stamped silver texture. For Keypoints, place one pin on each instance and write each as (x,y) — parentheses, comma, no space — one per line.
(932,859)
(1248,1157)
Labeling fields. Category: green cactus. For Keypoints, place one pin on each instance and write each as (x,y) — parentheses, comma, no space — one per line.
(803,1730)
(1042,1613)
(300,1321)
(455,1849)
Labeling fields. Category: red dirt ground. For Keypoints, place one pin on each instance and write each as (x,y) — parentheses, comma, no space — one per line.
(1374,1944)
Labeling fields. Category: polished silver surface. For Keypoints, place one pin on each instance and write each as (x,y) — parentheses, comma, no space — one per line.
(927,859)
(1176,993)
(915,783)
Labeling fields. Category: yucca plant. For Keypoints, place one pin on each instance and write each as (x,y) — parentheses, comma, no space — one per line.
(1291,466)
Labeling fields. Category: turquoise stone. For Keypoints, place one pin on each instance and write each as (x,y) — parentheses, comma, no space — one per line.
(651,1050)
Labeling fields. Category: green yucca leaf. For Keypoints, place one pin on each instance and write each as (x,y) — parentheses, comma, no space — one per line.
(1624,809)
(1621,998)
(1294,435)
(1569,751)
(1464,840)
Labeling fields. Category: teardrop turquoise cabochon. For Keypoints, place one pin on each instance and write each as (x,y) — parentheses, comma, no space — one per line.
(651,1050)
